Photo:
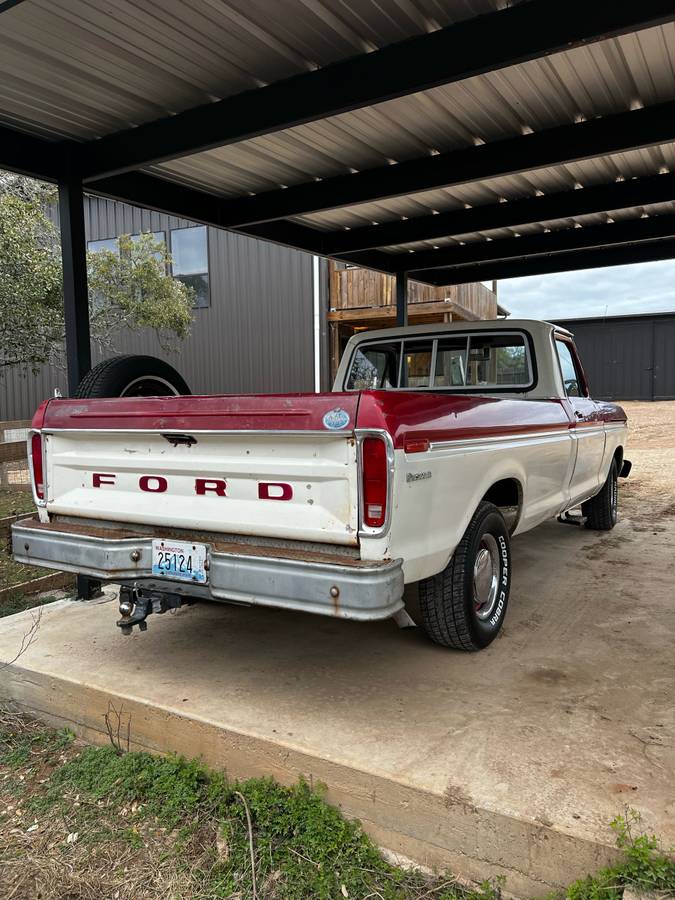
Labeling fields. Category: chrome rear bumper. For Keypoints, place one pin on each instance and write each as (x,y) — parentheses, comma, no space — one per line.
(346,589)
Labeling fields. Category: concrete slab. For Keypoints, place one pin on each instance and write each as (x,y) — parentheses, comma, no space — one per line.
(511,761)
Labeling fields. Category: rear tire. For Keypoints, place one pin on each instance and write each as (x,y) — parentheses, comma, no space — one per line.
(464,605)
(601,511)
(132,376)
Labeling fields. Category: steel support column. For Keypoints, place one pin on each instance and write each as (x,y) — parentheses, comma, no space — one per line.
(75,295)
(76,309)
(401,298)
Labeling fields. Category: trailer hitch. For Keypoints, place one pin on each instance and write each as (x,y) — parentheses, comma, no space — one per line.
(136,605)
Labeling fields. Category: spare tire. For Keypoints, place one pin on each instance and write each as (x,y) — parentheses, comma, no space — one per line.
(132,376)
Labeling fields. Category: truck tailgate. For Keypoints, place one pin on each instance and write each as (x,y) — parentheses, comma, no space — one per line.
(285,478)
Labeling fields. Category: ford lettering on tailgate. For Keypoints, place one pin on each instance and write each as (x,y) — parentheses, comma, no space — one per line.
(157,484)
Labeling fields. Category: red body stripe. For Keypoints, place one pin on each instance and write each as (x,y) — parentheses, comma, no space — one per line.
(406,415)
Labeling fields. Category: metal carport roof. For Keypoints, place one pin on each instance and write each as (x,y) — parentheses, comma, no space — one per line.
(458,140)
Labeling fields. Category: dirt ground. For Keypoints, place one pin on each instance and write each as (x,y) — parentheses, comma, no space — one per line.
(648,495)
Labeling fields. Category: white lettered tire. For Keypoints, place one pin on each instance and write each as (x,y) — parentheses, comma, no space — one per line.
(464,605)
(132,376)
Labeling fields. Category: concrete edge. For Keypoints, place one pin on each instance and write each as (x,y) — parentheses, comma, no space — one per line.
(434,831)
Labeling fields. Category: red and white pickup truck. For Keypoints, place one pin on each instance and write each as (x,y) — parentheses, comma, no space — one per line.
(437,445)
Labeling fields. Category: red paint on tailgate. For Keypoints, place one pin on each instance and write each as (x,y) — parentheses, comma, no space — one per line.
(224,412)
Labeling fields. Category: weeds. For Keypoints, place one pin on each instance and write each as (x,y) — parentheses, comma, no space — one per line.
(645,867)
(137,826)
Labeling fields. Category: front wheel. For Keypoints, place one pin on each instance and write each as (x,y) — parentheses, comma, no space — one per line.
(601,511)
(465,604)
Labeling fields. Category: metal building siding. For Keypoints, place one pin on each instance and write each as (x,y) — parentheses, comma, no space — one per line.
(664,360)
(627,357)
(256,336)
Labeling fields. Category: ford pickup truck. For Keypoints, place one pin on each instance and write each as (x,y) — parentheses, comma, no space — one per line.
(437,445)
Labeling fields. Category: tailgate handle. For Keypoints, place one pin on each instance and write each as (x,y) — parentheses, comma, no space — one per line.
(177,439)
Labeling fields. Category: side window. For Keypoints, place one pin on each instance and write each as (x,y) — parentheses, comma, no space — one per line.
(190,252)
(374,368)
(417,364)
(571,377)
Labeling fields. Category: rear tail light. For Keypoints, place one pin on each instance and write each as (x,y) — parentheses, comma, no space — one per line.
(36,459)
(375,476)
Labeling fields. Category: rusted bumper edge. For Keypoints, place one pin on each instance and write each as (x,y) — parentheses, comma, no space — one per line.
(338,590)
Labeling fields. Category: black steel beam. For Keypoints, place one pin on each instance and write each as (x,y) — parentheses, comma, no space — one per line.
(604,235)
(29,155)
(544,208)
(401,286)
(478,45)
(9,4)
(75,294)
(648,251)
(554,146)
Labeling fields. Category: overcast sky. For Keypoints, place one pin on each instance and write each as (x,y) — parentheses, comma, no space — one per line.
(645,287)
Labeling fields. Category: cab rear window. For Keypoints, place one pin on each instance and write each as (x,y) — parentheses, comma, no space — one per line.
(482,360)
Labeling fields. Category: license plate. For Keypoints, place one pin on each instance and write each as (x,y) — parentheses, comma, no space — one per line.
(181,560)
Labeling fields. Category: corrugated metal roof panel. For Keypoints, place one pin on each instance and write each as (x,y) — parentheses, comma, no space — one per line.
(599,79)
(83,69)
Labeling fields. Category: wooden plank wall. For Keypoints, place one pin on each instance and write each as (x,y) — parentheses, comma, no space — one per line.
(364,288)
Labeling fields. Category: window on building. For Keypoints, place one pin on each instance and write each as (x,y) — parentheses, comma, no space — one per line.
(158,236)
(190,254)
(111,244)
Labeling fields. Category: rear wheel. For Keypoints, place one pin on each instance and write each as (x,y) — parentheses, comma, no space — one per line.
(601,511)
(132,376)
(465,604)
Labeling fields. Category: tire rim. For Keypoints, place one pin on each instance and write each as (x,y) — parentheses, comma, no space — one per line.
(149,386)
(486,570)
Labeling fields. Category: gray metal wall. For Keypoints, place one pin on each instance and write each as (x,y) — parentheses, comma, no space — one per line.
(256,336)
(627,357)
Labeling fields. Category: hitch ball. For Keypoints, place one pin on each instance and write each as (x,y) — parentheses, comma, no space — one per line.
(126,608)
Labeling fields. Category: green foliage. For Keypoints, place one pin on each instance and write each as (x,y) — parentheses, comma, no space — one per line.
(31,296)
(645,867)
(20,745)
(132,289)
(303,847)
(127,290)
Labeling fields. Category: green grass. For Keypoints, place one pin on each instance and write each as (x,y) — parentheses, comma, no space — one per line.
(13,503)
(173,819)
(315,851)
(11,572)
(14,603)
(645,868)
